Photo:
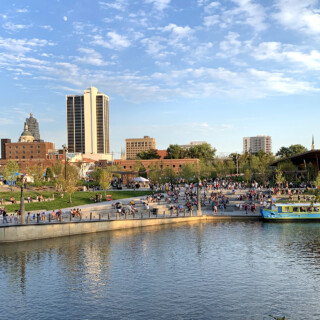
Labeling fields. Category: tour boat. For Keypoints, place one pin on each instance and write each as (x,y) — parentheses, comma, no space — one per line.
(291,211)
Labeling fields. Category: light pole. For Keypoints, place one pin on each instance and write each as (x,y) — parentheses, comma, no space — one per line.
(22,212)
(65,161)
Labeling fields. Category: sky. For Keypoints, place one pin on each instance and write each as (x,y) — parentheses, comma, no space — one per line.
(175,70)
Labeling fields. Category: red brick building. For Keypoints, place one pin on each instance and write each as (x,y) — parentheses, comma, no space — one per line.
(28,154)
(176,164)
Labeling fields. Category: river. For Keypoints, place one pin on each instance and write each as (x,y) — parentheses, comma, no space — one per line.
(202,270)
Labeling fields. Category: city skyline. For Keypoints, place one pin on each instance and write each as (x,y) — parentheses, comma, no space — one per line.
(213,71)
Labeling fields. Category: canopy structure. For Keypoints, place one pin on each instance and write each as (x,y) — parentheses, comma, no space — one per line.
(140,179)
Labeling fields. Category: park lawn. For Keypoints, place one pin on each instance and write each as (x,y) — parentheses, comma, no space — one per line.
(78,199)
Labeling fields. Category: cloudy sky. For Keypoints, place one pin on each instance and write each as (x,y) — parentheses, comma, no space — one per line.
(176,70)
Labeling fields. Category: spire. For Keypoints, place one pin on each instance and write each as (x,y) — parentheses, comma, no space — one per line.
(312,146)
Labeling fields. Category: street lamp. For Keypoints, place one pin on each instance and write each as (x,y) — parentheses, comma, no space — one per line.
(22,211)
(65,161)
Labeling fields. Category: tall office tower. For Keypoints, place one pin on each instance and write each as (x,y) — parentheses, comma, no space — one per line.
(33,127)
(134,146)
(88,122)
(256,144)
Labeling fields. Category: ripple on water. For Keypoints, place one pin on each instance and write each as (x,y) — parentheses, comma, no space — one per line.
(202,270)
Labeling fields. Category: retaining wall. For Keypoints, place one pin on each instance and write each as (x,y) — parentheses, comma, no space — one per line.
(43,231)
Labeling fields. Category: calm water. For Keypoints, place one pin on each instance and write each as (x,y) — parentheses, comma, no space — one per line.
(238,270)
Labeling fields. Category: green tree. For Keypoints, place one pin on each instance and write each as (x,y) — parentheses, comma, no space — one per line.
(294,149)
(57,168)
(187,172)
(203,151)
(36,172)
(96,174)
(105,179)
(142,172)
(174,151)
(149,154)
(154,173)
(70,181)
(280,179)
(49,173)
(169,175)
(10,170)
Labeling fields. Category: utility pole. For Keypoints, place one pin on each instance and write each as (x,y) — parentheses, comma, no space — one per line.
(22,211)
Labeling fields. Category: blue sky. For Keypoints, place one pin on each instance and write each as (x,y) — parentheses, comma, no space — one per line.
(176,70)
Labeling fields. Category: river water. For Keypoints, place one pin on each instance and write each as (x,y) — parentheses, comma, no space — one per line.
(203,270)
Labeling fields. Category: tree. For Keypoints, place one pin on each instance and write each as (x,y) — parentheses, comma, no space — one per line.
(174,151)
(169,174)
(279,177)
(154,173)
(294,149)
(202,151)
(149,154)
(71,179)
(96,174)
(142,172)
(57,168)
(187,172)
(10,170)
(105,179)
(36,172)
(49,173)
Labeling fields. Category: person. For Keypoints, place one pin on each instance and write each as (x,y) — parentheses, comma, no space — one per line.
(4,216)
(222,208)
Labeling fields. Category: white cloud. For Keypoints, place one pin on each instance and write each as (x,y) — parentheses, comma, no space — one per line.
(113,41)
(47,27)
(302,15)
(287,53)
(210,21)
(117,5)
(253,13)
(65,18)
(230,46)
(179,32)
(245,12)
(91,57)
(212,6)
(22,10)
(12,27)
(159,4)
(22,46)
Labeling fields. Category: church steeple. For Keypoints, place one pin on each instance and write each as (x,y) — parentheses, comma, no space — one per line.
(312,146)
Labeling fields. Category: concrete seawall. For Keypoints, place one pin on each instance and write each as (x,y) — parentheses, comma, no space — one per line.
(17,233)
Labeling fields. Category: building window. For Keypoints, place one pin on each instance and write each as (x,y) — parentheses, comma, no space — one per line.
(31,157)
(174,166)
(23,157)
(124,167)
(39,151)
(16,157)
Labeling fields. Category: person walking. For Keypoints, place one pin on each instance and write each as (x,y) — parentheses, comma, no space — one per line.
(4,216)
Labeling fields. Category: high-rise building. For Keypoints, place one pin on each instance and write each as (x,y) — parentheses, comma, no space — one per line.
(134,146)
(33,127)
(88,122)
(256,144)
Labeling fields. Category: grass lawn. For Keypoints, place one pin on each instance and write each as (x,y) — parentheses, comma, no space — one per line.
(78,198)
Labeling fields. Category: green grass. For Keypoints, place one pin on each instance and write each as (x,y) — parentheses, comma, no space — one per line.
(78,199)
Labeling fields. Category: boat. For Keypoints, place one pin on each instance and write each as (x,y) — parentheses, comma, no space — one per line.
(291,212)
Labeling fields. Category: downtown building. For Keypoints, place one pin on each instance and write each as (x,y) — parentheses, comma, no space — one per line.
(137,145)
(256,144)
(88,124)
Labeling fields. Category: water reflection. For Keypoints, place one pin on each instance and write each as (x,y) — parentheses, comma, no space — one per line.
(199,270)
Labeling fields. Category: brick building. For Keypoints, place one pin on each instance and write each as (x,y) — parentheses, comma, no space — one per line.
(175,164)
(134,146)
